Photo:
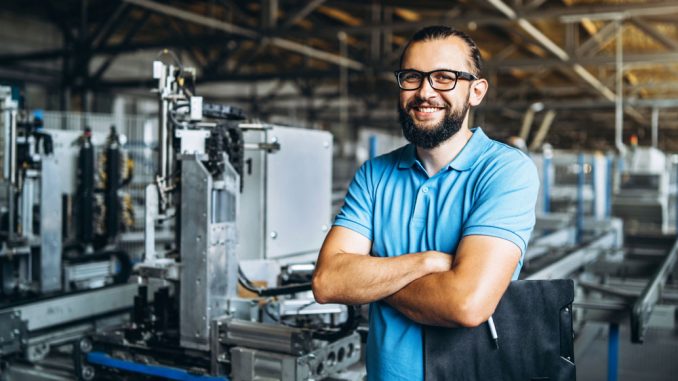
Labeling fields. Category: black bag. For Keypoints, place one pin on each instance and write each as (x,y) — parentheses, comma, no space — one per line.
(534,327)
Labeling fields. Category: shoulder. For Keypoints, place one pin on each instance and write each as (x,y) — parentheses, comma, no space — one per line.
(500,162)
(386,161)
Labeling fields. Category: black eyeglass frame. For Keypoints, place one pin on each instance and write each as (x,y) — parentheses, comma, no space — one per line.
(427,74)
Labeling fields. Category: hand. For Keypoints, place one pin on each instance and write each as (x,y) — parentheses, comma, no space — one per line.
(437,261)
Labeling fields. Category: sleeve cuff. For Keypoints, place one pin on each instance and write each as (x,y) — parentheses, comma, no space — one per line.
(494,231)
(355,227)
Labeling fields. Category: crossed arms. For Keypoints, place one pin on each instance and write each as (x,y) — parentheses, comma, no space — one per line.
(431,287)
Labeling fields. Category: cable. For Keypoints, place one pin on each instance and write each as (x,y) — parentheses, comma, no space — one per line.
(276,291)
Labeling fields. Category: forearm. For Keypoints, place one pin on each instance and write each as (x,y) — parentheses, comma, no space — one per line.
(359,279)
(432,300)
(469,292)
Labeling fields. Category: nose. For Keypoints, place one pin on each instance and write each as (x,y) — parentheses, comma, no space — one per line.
(426,91)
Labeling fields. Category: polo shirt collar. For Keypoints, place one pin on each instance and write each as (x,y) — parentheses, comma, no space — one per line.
(465,160)
(471,151)
(408,157)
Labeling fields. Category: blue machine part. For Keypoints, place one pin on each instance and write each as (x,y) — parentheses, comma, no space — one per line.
(373,146)
(613,352)
(609,183)
(580,197)
(103,359)
(546,186)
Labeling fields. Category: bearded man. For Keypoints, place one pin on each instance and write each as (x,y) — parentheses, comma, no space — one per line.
(433,232)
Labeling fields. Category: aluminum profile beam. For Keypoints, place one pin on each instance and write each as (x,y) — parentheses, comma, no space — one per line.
(576,260)
(234,29)
(642,309)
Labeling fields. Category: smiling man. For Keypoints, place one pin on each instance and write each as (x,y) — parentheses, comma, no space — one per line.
(431,233)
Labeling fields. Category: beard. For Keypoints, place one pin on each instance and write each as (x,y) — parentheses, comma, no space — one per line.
(429,138)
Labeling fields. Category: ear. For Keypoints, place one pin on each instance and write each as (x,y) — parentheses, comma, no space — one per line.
(477,91)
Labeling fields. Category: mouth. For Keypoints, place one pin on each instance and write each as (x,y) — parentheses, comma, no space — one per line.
(426,112)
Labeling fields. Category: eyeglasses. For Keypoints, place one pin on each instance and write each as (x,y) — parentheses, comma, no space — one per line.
(442,80)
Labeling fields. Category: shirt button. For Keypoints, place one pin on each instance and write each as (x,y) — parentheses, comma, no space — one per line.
(424,189)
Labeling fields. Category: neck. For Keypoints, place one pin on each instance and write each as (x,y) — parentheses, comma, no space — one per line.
(435,159)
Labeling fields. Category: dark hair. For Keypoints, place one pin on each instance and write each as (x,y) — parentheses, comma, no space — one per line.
(438,32)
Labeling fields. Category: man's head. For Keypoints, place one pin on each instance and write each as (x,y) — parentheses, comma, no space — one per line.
(439,78)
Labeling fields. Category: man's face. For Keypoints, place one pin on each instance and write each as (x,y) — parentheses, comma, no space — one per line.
(428,116)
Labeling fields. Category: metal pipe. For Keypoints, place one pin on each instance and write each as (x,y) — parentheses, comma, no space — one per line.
(343,84)
(373,146)
(528,118)
(11,192)
(580,197)
(619,106)
(543,130)
(613,352)
(546,186)
(655,127)
(163,130)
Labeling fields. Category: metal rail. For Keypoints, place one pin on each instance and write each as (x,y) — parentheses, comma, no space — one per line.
(642,309)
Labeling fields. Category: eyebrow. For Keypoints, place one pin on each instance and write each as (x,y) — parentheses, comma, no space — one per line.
(448,69)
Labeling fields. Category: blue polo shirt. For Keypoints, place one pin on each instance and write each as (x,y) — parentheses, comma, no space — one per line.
(488,189)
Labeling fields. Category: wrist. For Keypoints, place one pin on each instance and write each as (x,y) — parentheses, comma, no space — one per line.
(430,262)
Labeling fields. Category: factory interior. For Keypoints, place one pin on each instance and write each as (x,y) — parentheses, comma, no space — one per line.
(171,168)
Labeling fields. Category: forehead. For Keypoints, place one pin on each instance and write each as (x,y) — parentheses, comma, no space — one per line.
(449,53)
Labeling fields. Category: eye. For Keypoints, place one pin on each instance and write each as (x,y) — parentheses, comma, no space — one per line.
(443,77)
(411,76)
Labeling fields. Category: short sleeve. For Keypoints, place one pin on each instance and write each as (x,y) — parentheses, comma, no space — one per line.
(356,213)
(505,201)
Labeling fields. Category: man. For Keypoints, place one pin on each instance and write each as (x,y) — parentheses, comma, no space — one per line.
(431,233)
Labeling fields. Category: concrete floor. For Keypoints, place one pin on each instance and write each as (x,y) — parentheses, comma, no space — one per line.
(654,360)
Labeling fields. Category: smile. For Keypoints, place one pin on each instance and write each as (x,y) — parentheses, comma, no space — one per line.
(428,109)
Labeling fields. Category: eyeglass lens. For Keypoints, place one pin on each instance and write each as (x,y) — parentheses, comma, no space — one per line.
(440,80)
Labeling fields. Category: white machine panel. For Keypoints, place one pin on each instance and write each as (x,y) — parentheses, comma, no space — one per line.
(285,208)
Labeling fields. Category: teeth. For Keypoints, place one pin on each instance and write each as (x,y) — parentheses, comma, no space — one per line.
(428,109)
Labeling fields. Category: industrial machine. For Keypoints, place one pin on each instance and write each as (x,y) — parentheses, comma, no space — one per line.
(62,210)
(201,313)
(642,199)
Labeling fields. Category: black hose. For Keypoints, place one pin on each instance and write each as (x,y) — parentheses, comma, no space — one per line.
(276,291)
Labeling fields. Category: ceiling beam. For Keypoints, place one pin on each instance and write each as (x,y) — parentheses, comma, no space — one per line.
(300,14)
(563,14)
(560,104)
(630,60)
(282,43)
(552,48)
(651,31)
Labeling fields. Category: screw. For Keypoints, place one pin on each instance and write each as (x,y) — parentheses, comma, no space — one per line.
(85,345)
(88,373)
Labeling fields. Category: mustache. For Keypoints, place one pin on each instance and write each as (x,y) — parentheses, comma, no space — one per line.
(418,102)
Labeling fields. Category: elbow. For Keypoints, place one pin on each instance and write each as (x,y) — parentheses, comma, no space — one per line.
(471,314)
(320,288)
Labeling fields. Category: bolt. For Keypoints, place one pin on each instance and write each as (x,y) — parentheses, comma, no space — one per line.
(274,235)
(85,345)
(88,373)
